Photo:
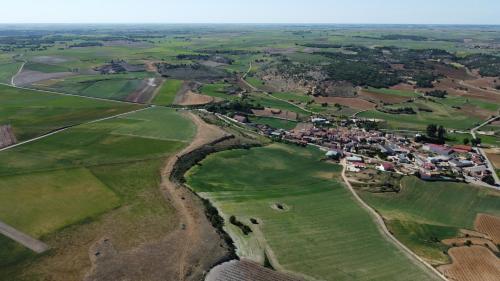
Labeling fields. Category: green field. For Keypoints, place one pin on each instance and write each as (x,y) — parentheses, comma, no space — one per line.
(34,113)
(91,180)
(48,68)
(266,101)
(8,70)
(216,90)
(52,200)
(168,91)
(321,231)
(113,86)
(274,123)
(424,213)
(408,94)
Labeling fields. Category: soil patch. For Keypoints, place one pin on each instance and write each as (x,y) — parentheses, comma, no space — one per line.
(356,103)
(146,91)
(473,263)
(276,113)
(28,77)
(187,96)
(494,156)
(7,137)
(382,98)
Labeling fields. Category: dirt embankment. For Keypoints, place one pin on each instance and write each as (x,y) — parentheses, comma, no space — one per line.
(187,96)
(7,136)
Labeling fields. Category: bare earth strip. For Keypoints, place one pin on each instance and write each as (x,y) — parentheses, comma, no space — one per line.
(24,239)
(186,253)
(473,263)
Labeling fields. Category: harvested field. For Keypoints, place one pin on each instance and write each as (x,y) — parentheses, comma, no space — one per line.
(245,271)
(494,156)
(28,77)
(356,103)
(459,88)
(473,263)
(186,96)
(276,113)
(489,225)
(457,242)
(381,98)
(475,111)
(485,82)
(145,92)
(7,136)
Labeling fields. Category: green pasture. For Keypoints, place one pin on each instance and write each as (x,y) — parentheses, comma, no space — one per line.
(274,123)
(321,231)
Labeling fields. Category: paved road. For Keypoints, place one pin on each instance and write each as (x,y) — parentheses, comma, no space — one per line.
(383,228)
(22,238)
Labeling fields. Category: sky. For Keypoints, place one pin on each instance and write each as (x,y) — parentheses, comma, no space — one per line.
(252,11)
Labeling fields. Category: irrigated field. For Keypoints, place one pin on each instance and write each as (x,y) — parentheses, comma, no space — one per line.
(300,215)
(89,182)
(425,213)
(34,113)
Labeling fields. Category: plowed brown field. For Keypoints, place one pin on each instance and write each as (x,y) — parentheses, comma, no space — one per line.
(473,263)
(489,225)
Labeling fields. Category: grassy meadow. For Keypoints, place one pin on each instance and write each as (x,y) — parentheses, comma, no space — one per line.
(424,213)
(330,239)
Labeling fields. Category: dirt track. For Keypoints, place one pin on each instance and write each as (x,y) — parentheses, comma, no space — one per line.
(29,242)
(186,253)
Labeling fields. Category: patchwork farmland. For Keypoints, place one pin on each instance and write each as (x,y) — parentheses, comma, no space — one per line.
(214,152)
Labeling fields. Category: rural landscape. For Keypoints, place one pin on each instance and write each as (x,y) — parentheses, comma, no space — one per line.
(226,152)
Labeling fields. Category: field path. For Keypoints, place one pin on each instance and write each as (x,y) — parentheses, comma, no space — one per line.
(22,238)
(192,234)
(12,83)
(385,232)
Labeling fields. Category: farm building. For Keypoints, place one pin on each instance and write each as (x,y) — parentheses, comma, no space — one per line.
(438,149)
(354,159)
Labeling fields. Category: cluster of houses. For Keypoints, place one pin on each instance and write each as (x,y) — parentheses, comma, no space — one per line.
(389,152)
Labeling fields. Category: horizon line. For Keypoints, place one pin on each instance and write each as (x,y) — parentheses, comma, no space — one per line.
(241,23)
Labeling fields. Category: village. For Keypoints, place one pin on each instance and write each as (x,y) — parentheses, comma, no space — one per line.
(365,149)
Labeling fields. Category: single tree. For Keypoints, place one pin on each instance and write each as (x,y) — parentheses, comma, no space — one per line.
(441,133)
(431,130)
(466,141)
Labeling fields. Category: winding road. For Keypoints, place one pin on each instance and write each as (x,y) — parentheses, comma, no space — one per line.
(385,231)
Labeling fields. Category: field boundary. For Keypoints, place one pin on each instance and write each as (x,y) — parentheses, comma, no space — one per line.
(24,239)
(72,126)
(385,231)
